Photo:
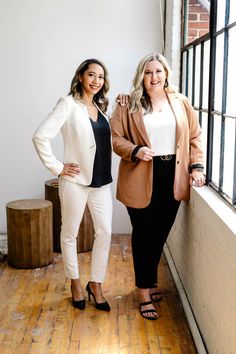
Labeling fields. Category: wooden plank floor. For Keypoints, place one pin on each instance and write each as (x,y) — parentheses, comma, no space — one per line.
(36,315)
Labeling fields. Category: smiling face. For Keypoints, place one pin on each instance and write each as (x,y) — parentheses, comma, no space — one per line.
(154,77)
(92,80)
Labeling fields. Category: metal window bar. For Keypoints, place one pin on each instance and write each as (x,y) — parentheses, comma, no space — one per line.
(234,178)
(211,94)
(224,99)
(193,75)
(181,72)
(222,30)
(199,107)
(196,41)
(184,69)
(187,78)
(201,82)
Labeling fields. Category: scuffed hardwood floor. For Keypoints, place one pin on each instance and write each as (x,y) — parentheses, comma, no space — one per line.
(36,315)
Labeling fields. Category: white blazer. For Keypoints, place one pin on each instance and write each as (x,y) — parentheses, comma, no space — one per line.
(71,118)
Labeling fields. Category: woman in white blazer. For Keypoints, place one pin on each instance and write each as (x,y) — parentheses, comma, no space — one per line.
(85,174)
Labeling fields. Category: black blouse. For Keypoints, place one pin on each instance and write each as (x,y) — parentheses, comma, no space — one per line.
(102,161)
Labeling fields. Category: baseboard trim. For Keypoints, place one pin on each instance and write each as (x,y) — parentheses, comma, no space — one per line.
(185,303)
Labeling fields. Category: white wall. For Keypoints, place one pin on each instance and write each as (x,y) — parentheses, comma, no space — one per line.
(42,43)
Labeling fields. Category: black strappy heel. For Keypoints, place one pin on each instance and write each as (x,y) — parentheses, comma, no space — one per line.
(151,318)
(156,293)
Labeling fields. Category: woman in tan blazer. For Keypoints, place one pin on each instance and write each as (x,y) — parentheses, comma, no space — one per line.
(157,136)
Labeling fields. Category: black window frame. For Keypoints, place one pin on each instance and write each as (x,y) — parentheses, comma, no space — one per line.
(211,112)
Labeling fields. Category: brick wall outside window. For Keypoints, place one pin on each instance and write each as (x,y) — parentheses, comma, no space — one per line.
(198,20)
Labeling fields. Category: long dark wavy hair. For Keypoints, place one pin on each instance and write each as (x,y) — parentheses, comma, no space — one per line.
(100,98)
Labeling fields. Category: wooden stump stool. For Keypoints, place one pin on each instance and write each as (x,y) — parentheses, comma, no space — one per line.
(29,233)
(85,236)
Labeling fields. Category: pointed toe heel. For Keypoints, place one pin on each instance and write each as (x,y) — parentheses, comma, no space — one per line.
(103,306)
(78,304)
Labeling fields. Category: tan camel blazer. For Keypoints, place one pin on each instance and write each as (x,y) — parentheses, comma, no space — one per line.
(134,185)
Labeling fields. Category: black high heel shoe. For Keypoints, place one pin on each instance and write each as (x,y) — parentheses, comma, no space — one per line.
(104,306)
(79,304)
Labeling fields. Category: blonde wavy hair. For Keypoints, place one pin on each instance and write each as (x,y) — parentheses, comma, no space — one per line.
(139,97)
(76,87)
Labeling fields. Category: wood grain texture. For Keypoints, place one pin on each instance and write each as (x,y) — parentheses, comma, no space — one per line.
(36,314)
(29,233)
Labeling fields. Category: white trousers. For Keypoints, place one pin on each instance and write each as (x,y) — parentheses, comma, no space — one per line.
(73,198)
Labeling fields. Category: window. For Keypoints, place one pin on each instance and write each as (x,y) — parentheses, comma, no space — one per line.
(208,73)
(196,14)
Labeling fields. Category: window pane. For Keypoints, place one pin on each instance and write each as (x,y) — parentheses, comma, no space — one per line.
(216,150)
(219,72)
(232,16)
(190,74)
(224,158)
(206,74)
(184,70)
(198,19)
(204,135)
(230,126)
(197,75)
(231,101)
(220,14)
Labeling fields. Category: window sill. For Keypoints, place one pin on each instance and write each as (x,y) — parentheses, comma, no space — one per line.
(220,207)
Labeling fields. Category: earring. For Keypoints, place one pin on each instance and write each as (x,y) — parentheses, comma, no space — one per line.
(166,83)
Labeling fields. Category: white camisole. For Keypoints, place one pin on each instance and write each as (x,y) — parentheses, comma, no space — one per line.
(161,130)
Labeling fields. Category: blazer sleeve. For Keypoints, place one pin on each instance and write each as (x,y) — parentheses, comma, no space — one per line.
(121,139)
(195,133)
(48,130)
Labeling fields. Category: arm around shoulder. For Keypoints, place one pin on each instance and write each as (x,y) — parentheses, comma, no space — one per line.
(119,125)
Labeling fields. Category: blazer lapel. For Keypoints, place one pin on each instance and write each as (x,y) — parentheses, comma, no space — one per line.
(138,121)
(178,112)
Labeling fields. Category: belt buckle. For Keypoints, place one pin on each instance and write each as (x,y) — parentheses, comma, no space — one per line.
(166,157)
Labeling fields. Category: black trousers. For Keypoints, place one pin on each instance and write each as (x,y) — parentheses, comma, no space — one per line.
(151,225)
